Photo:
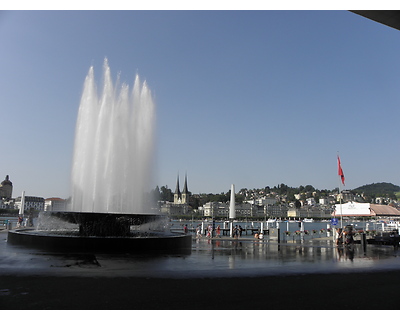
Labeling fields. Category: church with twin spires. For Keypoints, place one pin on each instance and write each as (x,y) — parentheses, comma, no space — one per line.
(181,197)
(181,200)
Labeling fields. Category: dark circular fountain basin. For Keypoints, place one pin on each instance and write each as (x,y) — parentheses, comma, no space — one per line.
(102,232)
(68,242)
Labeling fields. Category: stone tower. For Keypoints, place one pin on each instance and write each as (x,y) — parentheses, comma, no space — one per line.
(6,188)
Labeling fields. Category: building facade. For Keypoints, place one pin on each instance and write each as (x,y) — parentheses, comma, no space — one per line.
(31,203)
(55,204)
(310,212)
(221,209)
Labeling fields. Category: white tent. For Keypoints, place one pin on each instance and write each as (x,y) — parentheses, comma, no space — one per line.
(356,209)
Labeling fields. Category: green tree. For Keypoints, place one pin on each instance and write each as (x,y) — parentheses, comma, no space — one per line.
(166,194)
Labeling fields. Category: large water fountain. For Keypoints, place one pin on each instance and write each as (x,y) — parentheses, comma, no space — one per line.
(111,176)
(114,142)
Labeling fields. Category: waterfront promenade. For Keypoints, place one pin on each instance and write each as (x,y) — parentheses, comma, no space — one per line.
(219,274)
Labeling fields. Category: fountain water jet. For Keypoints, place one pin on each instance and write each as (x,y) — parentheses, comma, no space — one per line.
(111,175)
(114,142)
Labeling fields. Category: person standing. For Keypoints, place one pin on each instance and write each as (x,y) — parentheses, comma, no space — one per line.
(218,231)
(348,234)
(339,239)
(198,232)
(20,220)
(209,231)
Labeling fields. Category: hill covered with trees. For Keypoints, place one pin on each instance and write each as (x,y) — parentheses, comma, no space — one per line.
(381,189)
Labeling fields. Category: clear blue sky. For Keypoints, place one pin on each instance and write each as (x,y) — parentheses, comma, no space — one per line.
(254,98)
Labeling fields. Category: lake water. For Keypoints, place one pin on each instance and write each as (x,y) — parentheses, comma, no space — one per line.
(225,257)
(314,229)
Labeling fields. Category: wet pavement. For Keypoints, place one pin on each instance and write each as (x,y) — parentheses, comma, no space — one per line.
(223,257)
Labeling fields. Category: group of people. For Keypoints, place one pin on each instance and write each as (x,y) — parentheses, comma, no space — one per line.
(28,222)
(345,236)
(209,232)
(236,232)
(259,235)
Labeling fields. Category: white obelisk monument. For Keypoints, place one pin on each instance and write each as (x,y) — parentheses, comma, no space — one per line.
(232,209)
(22,207)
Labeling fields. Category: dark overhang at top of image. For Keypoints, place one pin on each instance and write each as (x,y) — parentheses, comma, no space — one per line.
(390,18)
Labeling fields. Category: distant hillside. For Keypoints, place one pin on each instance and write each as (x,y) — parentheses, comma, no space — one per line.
(381,189)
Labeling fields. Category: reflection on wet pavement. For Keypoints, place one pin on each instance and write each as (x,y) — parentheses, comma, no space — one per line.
(209,258)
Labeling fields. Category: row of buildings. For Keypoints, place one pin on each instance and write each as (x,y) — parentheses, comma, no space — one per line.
(31,203)
(35,204)
(264,207)
(260,208)
(249,210)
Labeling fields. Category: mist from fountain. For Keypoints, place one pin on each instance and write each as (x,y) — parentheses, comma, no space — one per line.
(114,144)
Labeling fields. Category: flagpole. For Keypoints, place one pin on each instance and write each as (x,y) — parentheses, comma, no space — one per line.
(341,179)
(340,205)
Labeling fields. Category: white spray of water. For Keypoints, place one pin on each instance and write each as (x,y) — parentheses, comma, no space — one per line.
(114,144)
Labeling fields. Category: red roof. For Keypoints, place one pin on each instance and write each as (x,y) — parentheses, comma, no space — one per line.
(383,210)
(54,199)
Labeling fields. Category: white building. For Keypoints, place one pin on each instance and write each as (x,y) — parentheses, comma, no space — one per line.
(214,209)
(309,212)
(311,201)
(31,203)
(264,201)
(55,204)
(325,201)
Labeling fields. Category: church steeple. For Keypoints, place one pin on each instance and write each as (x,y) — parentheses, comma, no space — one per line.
(177,194)
(177,191)
(185,188)
(185,192)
